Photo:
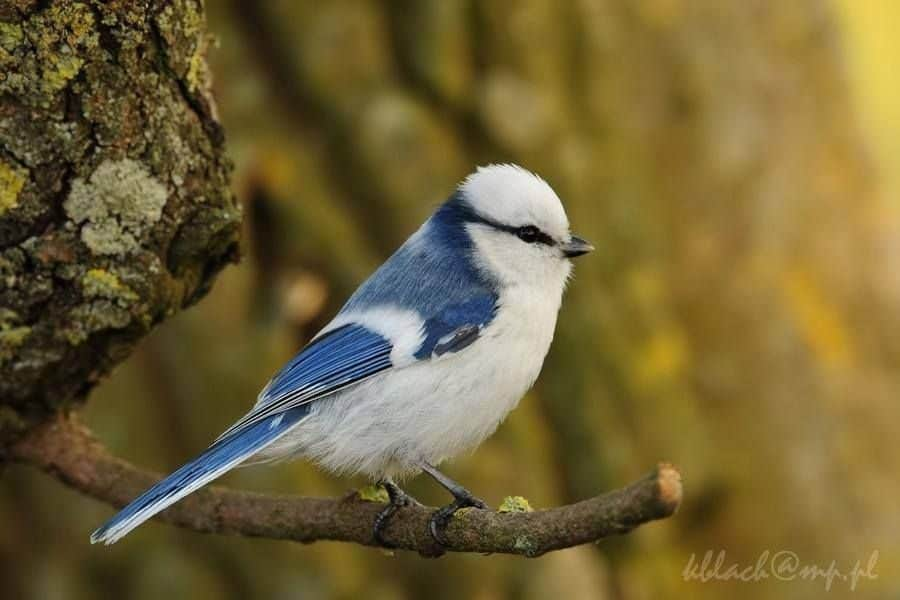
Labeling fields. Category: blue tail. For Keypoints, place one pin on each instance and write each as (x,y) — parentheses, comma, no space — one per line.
(225,454)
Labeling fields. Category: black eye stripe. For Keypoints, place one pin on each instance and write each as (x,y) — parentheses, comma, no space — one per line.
(527,233)
(532,235)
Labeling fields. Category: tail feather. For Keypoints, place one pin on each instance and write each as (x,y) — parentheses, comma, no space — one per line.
(225,454)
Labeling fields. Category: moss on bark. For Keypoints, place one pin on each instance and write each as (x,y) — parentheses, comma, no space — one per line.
(115,208)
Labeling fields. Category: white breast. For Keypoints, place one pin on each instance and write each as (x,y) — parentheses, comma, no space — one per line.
(432,410)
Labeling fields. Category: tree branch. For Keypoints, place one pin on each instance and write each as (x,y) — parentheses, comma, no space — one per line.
(68,451)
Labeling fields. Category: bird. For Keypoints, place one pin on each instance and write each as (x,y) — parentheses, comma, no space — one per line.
(423,362)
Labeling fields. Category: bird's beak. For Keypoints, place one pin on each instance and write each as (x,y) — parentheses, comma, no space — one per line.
(576,247)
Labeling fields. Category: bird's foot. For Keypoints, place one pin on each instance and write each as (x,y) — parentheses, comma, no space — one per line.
(398,499)
(462,498)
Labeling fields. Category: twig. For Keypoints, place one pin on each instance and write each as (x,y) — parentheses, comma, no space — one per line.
(66,450)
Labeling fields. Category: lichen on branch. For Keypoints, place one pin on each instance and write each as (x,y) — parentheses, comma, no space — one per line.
(115,206)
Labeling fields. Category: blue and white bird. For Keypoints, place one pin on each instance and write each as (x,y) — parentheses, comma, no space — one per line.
(424,361)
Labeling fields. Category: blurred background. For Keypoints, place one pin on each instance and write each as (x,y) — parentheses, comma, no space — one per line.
(737,165)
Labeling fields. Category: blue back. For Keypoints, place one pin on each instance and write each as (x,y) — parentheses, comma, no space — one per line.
(433,272)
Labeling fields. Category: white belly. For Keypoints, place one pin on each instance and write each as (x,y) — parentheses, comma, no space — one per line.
(428,411)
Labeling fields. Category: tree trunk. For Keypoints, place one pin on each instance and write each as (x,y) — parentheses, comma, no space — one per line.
(115,208)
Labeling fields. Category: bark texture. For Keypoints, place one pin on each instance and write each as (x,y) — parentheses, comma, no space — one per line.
(115,208)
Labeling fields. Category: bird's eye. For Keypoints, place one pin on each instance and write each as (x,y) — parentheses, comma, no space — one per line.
(529,234)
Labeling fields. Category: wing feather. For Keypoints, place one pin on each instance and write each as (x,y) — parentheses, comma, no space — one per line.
(353,353)
(340,358)
(457,326)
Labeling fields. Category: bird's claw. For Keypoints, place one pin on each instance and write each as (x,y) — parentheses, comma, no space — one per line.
(440,519)
(398,499)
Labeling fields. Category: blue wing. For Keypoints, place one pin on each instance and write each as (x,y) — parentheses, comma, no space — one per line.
(339,358)
(457,326)
(352,353)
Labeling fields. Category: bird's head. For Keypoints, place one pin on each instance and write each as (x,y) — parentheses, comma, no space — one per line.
(518,227)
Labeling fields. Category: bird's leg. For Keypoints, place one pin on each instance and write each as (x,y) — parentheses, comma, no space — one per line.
(462,498)
(398,499)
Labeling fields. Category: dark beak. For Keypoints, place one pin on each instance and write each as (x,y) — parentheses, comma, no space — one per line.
(576,247)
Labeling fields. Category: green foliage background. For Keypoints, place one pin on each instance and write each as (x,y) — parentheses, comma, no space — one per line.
(736,165)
